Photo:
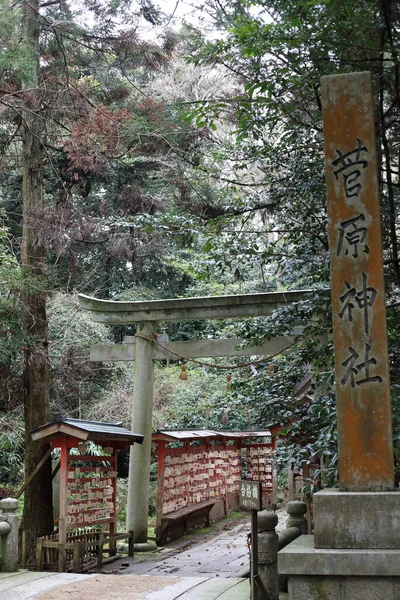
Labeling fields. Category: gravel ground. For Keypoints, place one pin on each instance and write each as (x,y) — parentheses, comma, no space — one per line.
(112,587)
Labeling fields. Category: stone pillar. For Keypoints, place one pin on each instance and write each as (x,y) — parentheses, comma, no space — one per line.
(296,511)
(9,541)
(140,456)
(354,553)
(365,436)
(268,546)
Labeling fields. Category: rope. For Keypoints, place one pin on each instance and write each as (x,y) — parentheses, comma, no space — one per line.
(207,364)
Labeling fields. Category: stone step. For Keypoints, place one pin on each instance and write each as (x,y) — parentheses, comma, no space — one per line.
(176,590)
(240,591)
(21,577)
(25,586)
(214,588)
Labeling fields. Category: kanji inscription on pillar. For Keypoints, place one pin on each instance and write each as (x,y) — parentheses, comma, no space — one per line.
(358,299)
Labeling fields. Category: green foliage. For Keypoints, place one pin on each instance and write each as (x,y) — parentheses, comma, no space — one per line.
(77,384)
(200,401)
(12,448)
(313,435)
(14,280)
(15,59)
(295,389)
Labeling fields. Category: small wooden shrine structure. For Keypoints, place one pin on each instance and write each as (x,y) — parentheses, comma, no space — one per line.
(88,488)
(199,474)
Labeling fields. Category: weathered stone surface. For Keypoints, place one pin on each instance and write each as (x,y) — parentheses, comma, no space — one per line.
(357,287)
(8,505)
(9,535)
(296,511)
(268,546)
(5,526)
(140,455)
(197,349)
(286,536)
(184,309)
(267,520)
(356,519)
(302,558)
(339,588)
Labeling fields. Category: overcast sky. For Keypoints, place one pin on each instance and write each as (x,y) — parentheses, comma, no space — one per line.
(183,10)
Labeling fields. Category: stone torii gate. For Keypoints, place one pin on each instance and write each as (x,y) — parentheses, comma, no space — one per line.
(142,349)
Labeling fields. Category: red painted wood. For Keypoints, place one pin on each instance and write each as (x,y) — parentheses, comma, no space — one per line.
(62,524)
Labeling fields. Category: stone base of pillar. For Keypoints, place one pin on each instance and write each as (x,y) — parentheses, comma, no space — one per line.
(356,574)
(355,552)
(356,519)
(145,547)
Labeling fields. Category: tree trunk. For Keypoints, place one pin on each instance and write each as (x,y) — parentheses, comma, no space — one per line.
(38,510)
(4,391)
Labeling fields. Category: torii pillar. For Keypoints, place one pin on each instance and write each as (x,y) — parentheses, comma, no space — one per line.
(142,410)
(147,315)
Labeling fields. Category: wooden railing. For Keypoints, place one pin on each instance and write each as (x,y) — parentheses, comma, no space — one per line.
(82,551)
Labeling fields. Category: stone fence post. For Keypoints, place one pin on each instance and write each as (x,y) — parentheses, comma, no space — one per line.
(268,546)
(296,511)
(8,535)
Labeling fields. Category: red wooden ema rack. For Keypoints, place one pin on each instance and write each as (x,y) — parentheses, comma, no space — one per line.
(87,483)
(203,475)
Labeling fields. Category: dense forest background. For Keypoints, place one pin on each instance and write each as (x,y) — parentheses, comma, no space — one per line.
(145,157)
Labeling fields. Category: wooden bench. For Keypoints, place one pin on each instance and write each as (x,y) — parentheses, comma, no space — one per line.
(182,514)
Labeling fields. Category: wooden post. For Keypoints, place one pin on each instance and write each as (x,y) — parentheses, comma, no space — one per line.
(274,473)
(226,487)
(291,483)
(306,497)
(39,554)
(62,557)
(131,547)
(23,549)
(251,497)
(160,488)
(100,550)
(62,523)
(113,523)
(77,556)
(358,297)
(34,472)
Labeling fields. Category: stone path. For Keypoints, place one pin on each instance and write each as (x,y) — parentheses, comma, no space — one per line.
(24,585)
(223,555)
(222,552)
